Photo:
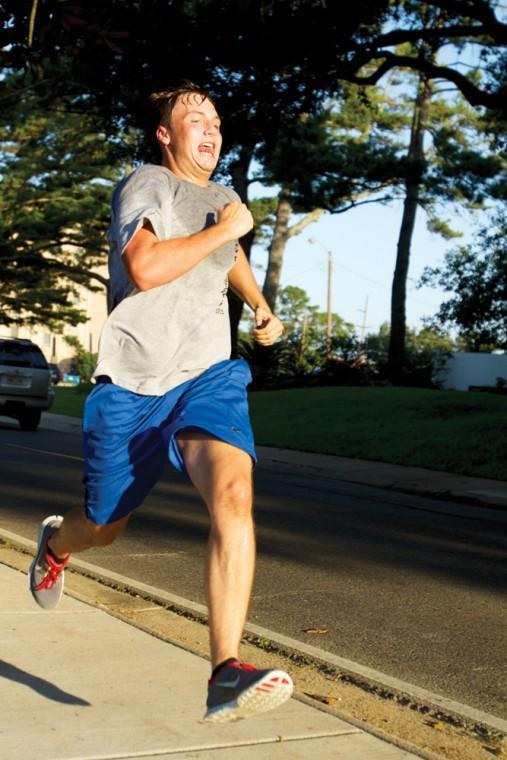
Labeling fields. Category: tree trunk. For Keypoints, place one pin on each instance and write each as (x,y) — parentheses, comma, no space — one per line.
(262,355)
(277,248)
(281,235)
(239,171)
(415,170)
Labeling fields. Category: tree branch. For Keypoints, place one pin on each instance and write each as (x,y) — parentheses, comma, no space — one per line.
(398,36)
(31,23)
(33,204)
(79,270)
(474,95)
(310,218)
(363,203)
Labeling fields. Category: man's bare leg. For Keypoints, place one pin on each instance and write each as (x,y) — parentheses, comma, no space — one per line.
(222,475)
(77,533)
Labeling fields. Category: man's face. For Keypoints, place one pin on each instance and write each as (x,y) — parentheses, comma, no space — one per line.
(194,136)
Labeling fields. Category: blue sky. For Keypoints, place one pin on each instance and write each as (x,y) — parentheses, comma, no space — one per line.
(363,242)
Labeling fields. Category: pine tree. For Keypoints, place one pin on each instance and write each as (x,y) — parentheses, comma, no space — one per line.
(449,161)
(57,170)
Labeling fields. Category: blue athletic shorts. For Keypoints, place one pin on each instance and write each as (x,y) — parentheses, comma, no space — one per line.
(128,437)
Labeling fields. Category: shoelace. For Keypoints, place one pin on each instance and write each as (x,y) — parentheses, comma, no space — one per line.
(52,573)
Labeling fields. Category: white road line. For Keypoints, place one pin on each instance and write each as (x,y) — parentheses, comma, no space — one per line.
(44,451)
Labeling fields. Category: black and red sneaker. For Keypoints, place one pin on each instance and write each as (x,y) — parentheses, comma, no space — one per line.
(239,690)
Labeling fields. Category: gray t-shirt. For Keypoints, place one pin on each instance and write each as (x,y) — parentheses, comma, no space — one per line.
(156,339)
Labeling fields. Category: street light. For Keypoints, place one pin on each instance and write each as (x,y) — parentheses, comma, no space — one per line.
(329,331)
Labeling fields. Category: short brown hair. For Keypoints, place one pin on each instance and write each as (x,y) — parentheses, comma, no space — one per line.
(164,101)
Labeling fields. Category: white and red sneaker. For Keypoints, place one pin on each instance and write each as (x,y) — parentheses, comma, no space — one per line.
(239,690)
(46,574)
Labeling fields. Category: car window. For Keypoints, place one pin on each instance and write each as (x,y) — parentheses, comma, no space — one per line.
(17,355)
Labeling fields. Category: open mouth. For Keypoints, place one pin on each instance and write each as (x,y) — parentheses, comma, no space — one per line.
(207,149)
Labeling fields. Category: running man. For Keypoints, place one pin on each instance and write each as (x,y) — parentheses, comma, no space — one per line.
(166,386)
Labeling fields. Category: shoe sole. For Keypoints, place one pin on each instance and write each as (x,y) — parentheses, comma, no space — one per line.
(49,598)
(272,691)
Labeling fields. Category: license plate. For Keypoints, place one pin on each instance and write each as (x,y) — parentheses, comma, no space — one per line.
(15,380)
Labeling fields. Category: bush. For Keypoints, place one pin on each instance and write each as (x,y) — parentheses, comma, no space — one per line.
(83,362)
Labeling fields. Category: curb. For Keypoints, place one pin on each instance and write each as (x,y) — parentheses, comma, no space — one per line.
(432,484)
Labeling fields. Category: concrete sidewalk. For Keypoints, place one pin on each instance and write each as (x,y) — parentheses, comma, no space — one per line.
(416,480)
(78,683)
(480,492)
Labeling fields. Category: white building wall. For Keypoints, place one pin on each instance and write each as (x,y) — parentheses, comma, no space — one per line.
(463,369)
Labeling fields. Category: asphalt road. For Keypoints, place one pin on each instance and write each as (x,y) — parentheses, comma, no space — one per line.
(402,583)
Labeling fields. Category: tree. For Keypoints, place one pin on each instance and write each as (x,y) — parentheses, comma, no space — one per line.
(267,62)
(413,182)
(457,167)
(310,36)
(421,347)
(83,362)
(476,276)
(347,154)
(330,161)
(57,171)
(302,348)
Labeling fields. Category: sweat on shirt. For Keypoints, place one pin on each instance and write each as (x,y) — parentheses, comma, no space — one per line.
(156,339)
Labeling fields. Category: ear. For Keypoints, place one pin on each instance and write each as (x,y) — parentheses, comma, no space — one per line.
(162,134)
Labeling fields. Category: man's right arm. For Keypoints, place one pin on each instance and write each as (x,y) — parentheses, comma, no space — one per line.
(151,262)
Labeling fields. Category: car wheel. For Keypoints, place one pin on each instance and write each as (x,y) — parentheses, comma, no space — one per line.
(30,419)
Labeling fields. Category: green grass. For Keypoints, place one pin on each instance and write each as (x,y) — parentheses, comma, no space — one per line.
(464,433)
(70,400)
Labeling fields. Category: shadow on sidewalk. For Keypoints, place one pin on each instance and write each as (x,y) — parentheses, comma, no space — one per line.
(43,687)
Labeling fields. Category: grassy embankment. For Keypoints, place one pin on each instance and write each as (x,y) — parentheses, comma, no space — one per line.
(454,431)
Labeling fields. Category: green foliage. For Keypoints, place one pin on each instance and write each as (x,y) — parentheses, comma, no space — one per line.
(420,356)
(476,276)
(56,173)
(83,362)
(305,330)
(461,162)
(268,64)
(302,348)
(457,166)
(300,357)
(324,162)
(264,61)
(263,211)
(440,226)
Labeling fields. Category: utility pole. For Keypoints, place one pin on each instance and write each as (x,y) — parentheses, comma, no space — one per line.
(329,331)
(303,340)
(329,303)
(363,326)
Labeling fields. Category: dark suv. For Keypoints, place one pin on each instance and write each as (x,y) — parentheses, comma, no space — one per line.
(25,382)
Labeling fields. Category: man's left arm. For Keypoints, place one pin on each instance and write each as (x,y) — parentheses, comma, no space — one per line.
(242,281)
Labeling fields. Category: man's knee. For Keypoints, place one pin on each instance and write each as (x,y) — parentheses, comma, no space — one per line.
(233,496)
